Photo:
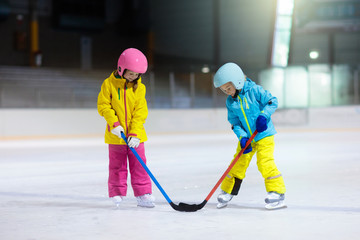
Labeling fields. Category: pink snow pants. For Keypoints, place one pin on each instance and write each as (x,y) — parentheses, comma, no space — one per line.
(118,171)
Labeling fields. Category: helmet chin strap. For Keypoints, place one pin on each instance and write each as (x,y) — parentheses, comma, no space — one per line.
(236,93)
(133,81)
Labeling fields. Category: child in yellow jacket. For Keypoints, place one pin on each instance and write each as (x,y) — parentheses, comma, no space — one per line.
(122,103)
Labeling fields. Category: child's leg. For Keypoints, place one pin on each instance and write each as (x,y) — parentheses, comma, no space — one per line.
(140,180)
(274,182)
(232,182)
(117,182)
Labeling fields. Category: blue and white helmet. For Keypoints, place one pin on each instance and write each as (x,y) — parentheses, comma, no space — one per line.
(229,72)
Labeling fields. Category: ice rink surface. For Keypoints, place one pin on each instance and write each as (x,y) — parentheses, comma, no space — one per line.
(56,189)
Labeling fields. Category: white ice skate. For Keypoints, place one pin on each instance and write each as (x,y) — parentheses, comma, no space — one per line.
(223,199)
(274,200)
(117,200)
(146,200)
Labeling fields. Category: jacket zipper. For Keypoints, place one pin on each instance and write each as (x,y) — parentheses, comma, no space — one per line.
(242,109)
(126,125)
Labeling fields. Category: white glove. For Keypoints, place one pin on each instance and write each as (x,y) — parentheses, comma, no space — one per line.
(117,131)
(133,142)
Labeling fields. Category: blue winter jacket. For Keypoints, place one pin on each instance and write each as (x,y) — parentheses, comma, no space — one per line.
(243,111)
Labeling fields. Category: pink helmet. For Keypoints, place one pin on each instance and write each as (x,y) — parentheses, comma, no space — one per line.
(133,60)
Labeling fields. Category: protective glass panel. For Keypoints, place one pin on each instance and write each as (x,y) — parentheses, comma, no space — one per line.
(320,85)
(296,87)
(273,81)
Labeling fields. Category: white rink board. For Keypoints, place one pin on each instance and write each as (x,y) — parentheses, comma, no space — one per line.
(52,122)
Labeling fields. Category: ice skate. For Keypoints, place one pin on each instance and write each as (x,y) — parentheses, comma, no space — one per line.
(274,200)
(224,198)
(221,205)
(117,200)
(275,205)
(146,200)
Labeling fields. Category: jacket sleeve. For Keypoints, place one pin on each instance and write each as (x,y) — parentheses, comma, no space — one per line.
(140,112)
(104,104)
(235,123)
(267,103)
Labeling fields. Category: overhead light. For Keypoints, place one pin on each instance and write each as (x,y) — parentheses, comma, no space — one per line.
(205,69)
(314,54)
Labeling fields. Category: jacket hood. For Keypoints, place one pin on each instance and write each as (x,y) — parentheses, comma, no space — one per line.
(247,85)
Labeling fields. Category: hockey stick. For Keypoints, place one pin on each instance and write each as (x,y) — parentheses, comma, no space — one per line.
(184,207)
(227,171)
(195,207)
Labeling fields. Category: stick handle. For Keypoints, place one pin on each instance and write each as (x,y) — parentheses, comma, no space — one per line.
(231,165)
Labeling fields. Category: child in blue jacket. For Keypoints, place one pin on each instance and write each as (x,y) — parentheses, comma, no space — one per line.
(250,108)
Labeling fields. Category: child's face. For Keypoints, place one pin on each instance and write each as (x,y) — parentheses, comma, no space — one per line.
(130,75)
(228,88)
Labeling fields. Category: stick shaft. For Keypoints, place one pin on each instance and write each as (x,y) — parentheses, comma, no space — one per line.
(147,170)
(231,166)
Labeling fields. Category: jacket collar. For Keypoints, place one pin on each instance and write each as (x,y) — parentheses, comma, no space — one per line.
(120,79)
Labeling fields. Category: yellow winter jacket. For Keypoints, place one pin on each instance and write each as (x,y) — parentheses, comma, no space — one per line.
(118,103)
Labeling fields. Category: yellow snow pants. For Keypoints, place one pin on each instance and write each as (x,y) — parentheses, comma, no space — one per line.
(264,150)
